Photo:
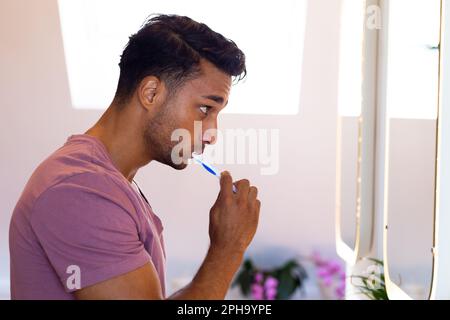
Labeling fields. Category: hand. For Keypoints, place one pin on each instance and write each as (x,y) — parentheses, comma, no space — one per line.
(234,217)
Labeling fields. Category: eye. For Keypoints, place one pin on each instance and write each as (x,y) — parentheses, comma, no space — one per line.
(204,109)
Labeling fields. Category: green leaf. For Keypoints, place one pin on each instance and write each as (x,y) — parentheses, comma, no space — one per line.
(367,289)
(245,277)
(379,262)
(286,285)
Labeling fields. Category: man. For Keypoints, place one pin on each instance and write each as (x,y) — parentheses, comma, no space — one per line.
(82,229)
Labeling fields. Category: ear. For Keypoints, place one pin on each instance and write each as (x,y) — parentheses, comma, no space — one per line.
(150,91)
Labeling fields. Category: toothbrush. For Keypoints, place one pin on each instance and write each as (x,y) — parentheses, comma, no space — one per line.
(208,167)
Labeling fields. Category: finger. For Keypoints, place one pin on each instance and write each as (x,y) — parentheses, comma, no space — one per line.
(226,184)
(243,187)
(252,194)
(258,206)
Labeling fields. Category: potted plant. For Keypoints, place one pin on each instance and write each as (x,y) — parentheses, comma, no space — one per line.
(278,283)
(372,283)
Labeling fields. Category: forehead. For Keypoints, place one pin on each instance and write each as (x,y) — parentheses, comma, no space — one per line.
(211,81)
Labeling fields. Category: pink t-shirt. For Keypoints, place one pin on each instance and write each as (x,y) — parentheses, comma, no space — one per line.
(79,222)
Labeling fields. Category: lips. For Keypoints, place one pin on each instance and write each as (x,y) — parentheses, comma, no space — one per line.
(199,153)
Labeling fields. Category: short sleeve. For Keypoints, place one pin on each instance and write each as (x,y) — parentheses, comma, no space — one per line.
(88,230)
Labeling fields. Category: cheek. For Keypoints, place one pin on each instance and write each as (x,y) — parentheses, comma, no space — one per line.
(189,121)
(185,117)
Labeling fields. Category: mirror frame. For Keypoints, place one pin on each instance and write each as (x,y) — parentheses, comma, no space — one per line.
(393,290)
(364,215)
(440,288)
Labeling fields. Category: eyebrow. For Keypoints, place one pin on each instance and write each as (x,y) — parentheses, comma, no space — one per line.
(215,98)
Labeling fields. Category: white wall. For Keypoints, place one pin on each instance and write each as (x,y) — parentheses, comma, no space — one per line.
(298,203)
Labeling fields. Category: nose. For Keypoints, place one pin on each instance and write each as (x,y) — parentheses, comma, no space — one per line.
(210,136)
(210,133)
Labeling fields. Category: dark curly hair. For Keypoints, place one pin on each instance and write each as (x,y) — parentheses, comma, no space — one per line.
(170,47)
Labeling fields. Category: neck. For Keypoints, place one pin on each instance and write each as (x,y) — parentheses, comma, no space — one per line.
(120,131)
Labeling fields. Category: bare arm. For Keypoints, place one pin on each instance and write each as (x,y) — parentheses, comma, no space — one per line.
(233,222)
(213,278)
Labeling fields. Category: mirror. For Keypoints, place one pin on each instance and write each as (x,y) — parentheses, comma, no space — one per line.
(355,129)
(441,276)
(412,90)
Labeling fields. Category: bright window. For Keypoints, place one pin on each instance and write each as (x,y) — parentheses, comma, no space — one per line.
(271,34)
(351,58)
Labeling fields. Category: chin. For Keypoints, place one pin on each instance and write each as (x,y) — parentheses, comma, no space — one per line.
(178,166)
(171,164)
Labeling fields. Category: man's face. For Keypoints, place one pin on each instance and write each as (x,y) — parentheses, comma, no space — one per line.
(197,101)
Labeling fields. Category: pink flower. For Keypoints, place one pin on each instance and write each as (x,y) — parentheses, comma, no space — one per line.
(330,274)
(327,280)
(334,266)
(271,282)
(257,291)
(271,293)
(340,292)
(317,259)
(259,277)
(323,272)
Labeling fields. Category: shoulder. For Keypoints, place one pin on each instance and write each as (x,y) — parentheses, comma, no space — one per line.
(79,170)
(87,197)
